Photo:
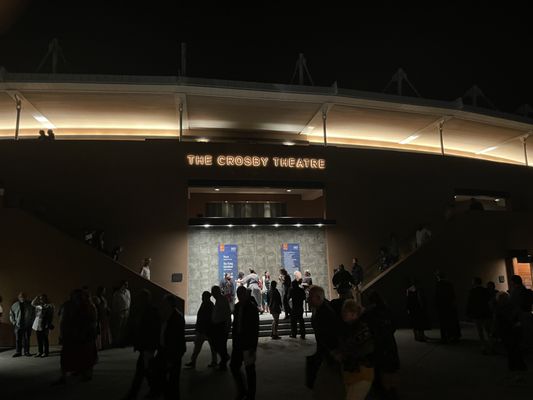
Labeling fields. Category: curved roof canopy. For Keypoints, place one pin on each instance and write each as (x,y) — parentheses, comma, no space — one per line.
(137,108)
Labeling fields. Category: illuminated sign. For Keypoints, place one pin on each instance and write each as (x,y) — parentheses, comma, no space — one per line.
(225,160)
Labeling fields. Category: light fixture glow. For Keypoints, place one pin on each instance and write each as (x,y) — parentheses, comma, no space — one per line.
(288,143)
(319,225)
(496,200)
(487,150)
(289,190)
(217,189)
(276,225)
(254,225)
(202,139)
(298,225)
(230,226)
(409,139)
(44,121)
(206,225)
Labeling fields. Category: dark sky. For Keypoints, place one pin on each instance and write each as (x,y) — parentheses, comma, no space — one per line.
(444,50)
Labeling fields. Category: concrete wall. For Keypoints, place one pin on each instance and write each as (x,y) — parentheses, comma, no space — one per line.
(259,248)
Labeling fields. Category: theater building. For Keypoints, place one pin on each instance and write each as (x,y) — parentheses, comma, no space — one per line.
(207,177)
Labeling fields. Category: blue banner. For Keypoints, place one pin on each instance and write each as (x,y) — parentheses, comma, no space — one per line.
(227,261)
(290,257)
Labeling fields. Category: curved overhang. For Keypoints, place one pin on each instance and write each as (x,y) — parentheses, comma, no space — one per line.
(138,108)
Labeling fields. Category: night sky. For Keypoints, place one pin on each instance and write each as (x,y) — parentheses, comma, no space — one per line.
(443,50)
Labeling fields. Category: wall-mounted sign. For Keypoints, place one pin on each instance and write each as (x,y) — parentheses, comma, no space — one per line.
(290,257)
(227,260)
(225,160)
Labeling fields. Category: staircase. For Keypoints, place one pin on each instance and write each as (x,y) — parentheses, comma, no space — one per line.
(265,328)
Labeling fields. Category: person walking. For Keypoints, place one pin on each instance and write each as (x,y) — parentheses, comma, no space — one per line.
(297,297)
(274,306)
(145,268)
(477,309)
(44,316)
(245,337)
(167,363)
(120,313)
(327,382)
(204,331)
(221,324)
(147,334)
(21,316)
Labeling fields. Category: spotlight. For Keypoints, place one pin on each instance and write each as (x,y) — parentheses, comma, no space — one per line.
(289,190)
(276,225)
(217,189)
(298,225)
(206,225)
(254,225)
(319,225)
(230,226)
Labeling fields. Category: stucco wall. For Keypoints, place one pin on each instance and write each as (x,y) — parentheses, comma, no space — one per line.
(258,248)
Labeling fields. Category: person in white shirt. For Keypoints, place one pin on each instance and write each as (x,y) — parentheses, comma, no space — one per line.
(120,313)
(44,315)
(145,269)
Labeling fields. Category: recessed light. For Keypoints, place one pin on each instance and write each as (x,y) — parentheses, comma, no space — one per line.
(206,225)
(217,189)
(276,225)
(202,139)
(298,225)
(319,225)
(289,190)
(254,225)
(288,143)
(496,200)
(230,226)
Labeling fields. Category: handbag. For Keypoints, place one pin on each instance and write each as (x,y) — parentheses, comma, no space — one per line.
(312,365)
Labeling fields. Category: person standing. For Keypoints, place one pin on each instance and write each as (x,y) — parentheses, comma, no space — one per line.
(145,269)
(343,280)
(297,297)
(21,316)
(245,337)
(221,324)
(417,311)
(170,352)
(121,313)
(477,309)
(44,316)
(307,282)
(357,275)
(450,329)
(203,331)
(228,290)
(103,340)
(274,305)
(265,280)
(252,283)
(146,341)
(285,281)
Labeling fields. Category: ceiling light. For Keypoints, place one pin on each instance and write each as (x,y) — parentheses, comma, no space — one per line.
(289,190)
(409,139)
(206,225)
(217,189)
(254,225)
(487,150)
(288,143)
(202,139)
(319,225)
(230,226)
(298,225)
(276,225)
(496,200)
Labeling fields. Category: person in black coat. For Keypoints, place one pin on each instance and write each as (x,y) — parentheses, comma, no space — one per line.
(417,311)
(170,351)
(204,331)
(477,309)
(450,329)
(274,305)
(146,342)
(297,297)
(245,335)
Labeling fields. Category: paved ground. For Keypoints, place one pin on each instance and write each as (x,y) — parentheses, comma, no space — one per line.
(428,371)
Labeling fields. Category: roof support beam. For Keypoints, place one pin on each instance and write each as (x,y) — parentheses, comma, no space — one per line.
(180,101)
(35,113)
(316,119)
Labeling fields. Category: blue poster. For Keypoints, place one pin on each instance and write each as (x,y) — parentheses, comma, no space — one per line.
(290,257)
(227,261)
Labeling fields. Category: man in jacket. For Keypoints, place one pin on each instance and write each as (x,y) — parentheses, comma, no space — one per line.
(297,297)
(146,342)
(21,316)
(245,337)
